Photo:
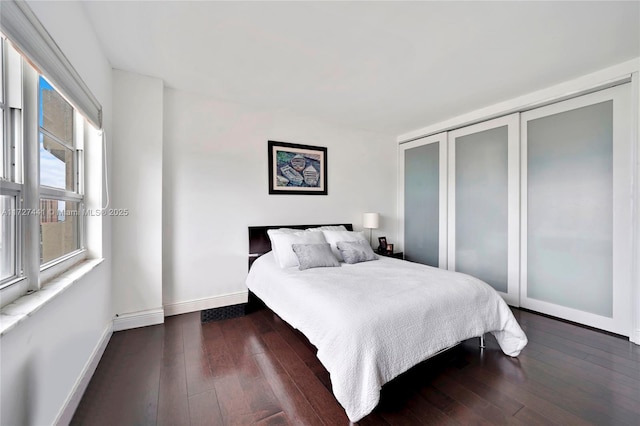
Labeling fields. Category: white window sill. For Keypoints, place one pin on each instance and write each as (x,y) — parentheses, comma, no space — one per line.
(16,312)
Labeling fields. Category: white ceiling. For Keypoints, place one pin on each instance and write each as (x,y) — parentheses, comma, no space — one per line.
(384,66)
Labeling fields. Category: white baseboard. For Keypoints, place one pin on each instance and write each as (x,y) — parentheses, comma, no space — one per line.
(138,319)
(73,400)
(206,303)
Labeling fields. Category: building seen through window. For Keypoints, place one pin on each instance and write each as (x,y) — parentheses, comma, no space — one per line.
(59,211)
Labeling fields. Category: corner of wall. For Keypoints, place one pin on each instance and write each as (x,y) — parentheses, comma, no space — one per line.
(138,319)
(137,191)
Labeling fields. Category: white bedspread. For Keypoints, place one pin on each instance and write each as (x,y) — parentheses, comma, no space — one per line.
(374,320)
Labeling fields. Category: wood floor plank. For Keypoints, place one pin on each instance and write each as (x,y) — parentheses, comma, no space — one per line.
(204,410)
(173,404)
(251,342)
(560,345)
(606,343)
(305,350)
(427,413)
(173,339)
(581,395)
(130,394)
(609,379)
(372,419)
(545,388)
(629,370)
(293,402)
(293,339)
(323,402)
(193,333)
(503,383)
(234,406)
(473,401)
(451,407)
(199,374)
(278,419)
(499,399)
(232,400)
(240,341)
(614,362)
(220,360)
(614,395)
(532,418)
(400,418)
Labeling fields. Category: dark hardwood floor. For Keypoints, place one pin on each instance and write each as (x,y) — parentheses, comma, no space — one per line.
(258,370)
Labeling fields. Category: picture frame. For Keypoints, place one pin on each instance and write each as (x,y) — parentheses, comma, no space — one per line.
(297,169)
(382,241)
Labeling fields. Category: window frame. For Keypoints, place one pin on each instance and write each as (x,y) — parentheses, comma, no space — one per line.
(11,183)
(53,267)
(21,151)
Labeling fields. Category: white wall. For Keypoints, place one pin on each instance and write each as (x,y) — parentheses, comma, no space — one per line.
(137,187)
(43,357)
(215,186)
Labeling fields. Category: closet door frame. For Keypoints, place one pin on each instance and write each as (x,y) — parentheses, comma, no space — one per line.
(512,121)
(443,163)
(621,322)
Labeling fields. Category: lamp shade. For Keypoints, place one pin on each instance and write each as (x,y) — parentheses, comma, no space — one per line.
(371,220)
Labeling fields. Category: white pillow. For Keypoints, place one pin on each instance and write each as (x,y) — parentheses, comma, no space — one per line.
(333,237)
(328,228)
(281,243)
(283,231)
(271,232)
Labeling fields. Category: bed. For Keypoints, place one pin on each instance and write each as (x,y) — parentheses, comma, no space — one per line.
(372,321)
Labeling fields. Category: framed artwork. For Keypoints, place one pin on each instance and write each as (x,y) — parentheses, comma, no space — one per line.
(382,248)
(297,169)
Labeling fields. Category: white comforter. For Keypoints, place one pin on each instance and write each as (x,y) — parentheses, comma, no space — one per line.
(374,320)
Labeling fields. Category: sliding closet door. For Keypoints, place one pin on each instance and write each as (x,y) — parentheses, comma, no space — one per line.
(423,168)
(576,222)
(484,204)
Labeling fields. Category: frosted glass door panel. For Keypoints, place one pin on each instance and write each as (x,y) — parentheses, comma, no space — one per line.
(570,209)
(421,204)
(577,218)
(481,206)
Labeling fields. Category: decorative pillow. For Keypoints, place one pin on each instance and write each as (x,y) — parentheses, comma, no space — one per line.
(356,251)
(281,243)
(333,237)
(314,255)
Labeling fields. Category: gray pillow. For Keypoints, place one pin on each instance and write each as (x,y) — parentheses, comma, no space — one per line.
(356,251)
(314,255)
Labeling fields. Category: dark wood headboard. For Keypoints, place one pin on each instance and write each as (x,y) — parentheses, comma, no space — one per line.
(260,244)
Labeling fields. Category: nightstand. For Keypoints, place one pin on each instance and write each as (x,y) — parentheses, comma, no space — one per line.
(399,255)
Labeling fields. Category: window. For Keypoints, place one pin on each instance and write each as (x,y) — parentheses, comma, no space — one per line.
(59,177)
(41,230)
(10,190)
(6,201)
(7,238)
(2,151)
(45,111)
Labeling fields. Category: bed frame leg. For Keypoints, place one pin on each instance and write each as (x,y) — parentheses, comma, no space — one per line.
(482,346)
